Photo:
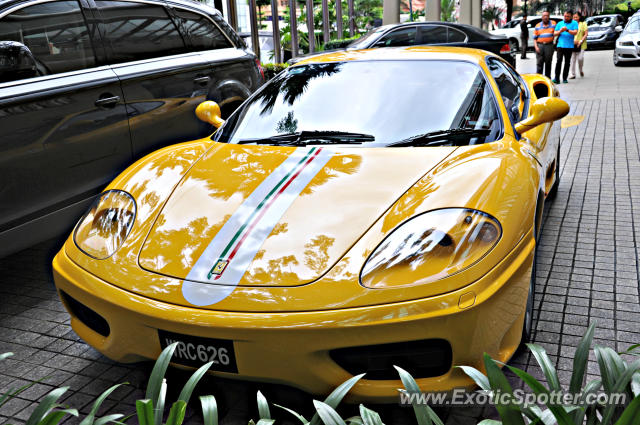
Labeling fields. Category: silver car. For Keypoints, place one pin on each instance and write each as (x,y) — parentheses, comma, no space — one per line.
(628,44)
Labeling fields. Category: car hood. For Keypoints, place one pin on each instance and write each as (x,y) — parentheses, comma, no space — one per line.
(630,37)
(247,215)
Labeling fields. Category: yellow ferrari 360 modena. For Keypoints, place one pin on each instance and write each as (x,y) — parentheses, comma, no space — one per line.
(363,209)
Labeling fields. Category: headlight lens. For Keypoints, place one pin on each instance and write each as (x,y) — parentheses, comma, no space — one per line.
(430,247)
(106,225)
(626,43)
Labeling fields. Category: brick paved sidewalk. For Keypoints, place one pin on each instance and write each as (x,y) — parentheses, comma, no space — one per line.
(587,271)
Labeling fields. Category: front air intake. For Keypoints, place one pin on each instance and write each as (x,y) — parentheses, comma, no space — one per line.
(425,358)
(90,318)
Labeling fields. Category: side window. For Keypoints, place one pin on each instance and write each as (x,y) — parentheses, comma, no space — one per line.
(455,36)
(54,32)
(202,33)
(401,37)
(433,34)
(509,88)
(534,22)
(139,31)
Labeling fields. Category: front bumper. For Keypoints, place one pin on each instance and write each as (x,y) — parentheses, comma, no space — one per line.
(606,40)
(293,348)
(627,53)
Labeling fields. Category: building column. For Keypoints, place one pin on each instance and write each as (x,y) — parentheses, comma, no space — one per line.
(390,12)
(434,10)
(471,12)
(476,13)
(465,12)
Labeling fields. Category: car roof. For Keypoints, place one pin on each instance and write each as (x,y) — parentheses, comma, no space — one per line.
(190,3)
(402,53)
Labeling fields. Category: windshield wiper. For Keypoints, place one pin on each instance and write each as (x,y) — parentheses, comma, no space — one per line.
(303,138)
(441,137)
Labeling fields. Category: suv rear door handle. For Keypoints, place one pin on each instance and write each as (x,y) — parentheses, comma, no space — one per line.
(202,81)
(107,100)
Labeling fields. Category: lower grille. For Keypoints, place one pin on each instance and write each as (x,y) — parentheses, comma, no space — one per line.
(422,359)
(90,318)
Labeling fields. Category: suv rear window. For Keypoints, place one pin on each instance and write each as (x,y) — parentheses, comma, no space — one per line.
(200,31)
(56,34)
(139,31)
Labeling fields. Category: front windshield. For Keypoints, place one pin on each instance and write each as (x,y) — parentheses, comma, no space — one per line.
(389,100)
(602,21)
(633,26)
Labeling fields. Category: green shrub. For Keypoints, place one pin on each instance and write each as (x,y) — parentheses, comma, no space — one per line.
(273,69)
(622,7)
(617,376)
(339,44)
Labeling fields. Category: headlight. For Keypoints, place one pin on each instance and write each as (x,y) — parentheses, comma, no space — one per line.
(106,225)
(430,247)
(626,43)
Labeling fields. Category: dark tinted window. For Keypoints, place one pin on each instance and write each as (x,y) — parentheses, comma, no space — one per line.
(456,36)
(509,87)
(401,37)
(202,33)
(390,100)
(139,31)
(56,34)
(433,34)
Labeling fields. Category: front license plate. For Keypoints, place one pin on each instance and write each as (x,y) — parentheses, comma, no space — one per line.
(196,351)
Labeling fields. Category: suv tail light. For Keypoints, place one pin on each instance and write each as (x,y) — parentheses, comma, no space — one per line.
(505,49)
(259,65)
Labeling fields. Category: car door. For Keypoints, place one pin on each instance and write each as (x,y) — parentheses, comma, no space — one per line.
(235,71)
(515,97)
(63,132)
(433,34)
(161,79)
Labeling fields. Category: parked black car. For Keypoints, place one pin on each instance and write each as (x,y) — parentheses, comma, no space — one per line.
(88,86)
(604,30)
(428,33)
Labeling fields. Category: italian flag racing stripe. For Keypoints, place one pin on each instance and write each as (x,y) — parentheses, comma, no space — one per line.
(255,211)
(221,266)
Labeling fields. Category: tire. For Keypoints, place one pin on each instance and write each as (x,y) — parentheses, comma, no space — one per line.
(514,45)
(553,192)
(616,62)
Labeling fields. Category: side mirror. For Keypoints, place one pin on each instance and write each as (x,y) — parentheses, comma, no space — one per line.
(618,28)
(209,112)
(547,109)
(16,62)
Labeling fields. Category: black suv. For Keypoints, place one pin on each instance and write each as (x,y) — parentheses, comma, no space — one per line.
(88,86)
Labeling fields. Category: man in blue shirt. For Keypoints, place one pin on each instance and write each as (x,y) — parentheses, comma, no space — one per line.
(564,32)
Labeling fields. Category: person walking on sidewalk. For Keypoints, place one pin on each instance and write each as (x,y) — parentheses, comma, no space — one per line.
(524,37)
(565,32)
(543,44)
(580,45)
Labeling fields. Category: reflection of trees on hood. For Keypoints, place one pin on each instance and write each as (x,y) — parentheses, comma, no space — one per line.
(288,124)
(293,83)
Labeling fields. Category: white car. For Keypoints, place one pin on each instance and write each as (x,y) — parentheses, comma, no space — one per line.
(628,44)
(512,30)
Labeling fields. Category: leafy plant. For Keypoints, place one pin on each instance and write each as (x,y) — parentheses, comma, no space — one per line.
(617,376)
(273,69)
(150,410)
(340,43)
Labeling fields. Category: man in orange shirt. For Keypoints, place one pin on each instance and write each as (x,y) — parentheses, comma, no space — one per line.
(543,43)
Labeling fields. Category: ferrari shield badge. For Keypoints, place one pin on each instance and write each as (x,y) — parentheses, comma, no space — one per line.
(219,267)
